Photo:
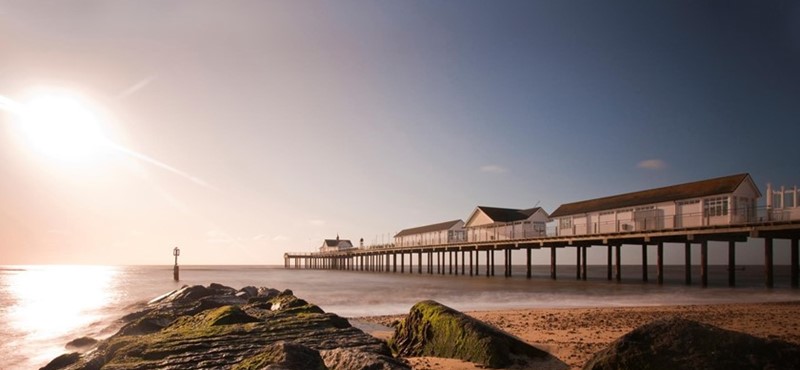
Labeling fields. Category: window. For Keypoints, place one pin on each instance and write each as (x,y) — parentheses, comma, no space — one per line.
(715,207)
(565,223)
(686,202)
(646,208)
(606,213)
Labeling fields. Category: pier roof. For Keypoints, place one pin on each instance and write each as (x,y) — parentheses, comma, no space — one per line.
(697,189)
(428,228)
(507,214)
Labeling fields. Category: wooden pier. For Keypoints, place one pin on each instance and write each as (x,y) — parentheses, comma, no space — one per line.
(444,258)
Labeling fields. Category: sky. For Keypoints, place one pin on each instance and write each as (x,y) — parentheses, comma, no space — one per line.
(246,129)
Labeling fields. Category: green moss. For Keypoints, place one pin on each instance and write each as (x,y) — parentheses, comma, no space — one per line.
(432,329)
(285,355)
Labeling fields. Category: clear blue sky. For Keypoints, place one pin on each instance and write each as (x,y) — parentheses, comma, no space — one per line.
(308,119)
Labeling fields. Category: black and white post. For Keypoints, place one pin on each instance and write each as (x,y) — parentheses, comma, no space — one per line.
(175,272)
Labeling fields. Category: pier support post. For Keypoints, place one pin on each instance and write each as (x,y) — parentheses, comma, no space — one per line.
(463,258)
(419,263)
(509,263)
(687,254)
(731,263)
(493,250)
(528,262)
(578,262)
(584,266)
(488,260)
(553,263)
(660,263)
(450,268)
(394,262)
(402,263)
(609,268)
(704,263)
(770,278)
(430,263)
(644,262)
(618,266)
(795,264)
(470,263)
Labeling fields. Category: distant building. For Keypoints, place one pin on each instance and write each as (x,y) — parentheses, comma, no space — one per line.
(491,223)
(441,233)
(718,201)
(335,245)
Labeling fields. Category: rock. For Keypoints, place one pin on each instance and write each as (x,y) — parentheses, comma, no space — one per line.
(268,292)
(350,359)
(210,327)
(229,315)
(675,343)
(433,329)
(81,343)
(282,355)
(248,292)
(62,361)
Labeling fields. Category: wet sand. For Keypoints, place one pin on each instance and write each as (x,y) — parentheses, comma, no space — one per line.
(573,335)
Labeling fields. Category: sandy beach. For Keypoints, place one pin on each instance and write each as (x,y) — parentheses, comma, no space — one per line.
(573,335)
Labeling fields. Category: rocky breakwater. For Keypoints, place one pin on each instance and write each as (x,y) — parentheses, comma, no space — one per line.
(218,327)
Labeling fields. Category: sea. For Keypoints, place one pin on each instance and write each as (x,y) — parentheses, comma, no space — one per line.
(43,307)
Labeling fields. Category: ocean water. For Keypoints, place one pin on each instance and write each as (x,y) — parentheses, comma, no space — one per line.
(44,307)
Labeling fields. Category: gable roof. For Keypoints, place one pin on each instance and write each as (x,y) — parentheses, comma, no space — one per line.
(428,228)
(697,189)
(508,214)
(336,242)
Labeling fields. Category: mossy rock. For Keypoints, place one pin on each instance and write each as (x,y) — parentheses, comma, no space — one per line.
(282,355)
(675,343)
(433,329)
(228,315)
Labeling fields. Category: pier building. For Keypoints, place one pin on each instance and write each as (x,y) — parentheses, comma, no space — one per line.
(492,223)
(439,233)
(719,201)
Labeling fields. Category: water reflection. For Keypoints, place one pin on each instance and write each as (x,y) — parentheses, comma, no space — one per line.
(53,301)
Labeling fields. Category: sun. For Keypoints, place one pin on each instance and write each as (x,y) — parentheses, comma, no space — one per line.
(61,125)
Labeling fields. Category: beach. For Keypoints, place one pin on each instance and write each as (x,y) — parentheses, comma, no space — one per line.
(573,335)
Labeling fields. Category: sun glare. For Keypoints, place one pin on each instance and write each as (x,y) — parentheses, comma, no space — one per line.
(61,126)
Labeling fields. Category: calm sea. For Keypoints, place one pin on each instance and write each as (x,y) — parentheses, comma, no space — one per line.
(43,307)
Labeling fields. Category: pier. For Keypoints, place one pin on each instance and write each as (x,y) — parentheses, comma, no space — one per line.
(477,258)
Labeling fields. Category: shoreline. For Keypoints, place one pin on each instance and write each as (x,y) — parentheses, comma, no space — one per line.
(573,335)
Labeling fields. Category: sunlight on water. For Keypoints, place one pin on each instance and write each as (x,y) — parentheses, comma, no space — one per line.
(55,300)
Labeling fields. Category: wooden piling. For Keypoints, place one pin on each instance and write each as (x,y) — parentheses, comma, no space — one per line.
(470,263)
(578,262)
(492,255)
(660,263)
(463,268)
(644,262)
(609,268)
(488,259)
(553,263)
(770,278)
(704,263)
(584,266)
(528,262)
(731,263)
(687,254)
(618,266)
(795,264)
